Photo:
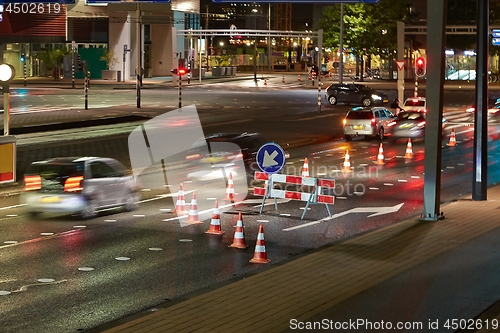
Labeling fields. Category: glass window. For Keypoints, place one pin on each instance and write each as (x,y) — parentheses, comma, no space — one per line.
(101,170)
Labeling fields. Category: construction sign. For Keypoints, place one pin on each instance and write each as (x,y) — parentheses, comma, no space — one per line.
(7,159)
(315,196)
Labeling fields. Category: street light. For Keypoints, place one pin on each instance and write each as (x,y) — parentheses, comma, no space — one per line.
(7,73)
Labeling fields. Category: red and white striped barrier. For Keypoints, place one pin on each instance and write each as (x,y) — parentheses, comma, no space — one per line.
(310,197)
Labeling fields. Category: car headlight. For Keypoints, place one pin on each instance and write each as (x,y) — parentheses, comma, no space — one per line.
(376,97)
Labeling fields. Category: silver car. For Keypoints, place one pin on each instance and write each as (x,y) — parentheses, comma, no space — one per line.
(367,121)
(81,185)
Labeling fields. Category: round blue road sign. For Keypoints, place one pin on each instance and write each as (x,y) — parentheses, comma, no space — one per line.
(271,158)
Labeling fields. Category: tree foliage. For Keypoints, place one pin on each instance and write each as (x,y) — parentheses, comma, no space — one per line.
(368,28)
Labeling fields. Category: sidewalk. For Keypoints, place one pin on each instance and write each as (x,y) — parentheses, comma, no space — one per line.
(412,272)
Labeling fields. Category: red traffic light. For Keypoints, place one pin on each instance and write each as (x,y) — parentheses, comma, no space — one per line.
(420,67)
(182,71)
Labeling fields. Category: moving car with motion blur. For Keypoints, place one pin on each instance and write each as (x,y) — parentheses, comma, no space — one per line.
(78,185)
(410,124)
(354,94)
(368,122)
(224,150)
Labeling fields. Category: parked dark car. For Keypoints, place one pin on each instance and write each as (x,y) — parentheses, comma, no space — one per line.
(354,94)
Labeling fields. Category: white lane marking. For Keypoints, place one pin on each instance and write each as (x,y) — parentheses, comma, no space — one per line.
(85,269)
(402,180)
(373,188)
(376,210)
(415,177)
(122,258)
(15,206)
(388,184)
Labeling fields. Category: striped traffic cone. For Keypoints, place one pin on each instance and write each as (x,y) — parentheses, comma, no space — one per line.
(180,205)
(193,211)
(215,228)
(298,78)
(346,166)
(380,157)
(305,168)
(229,189)
(453,140)
(409,150)
(283,79)
(265,82)
(260,256)
(239,237)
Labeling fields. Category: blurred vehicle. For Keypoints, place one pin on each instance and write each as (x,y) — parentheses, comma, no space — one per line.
(245,147)
(369,74)
(81,185)
(410,124)
(354,94)
(492,109)
(315,70)
(415,104)
(367,121)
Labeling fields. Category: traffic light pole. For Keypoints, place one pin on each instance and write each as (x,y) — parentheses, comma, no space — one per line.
(415,93)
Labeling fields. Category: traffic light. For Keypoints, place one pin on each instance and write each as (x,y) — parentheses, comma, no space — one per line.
(420,67)
(23,57)
(180,71)
(183,71)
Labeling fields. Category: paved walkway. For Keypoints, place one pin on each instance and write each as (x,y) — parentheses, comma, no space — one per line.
(419,274)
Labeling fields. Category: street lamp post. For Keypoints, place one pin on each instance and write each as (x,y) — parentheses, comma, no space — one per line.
(7,73)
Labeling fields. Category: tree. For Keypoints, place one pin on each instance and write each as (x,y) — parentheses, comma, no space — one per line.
(53,58)
(368,28)
(109,58)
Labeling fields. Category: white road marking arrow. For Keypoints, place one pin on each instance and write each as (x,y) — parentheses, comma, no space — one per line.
(269,159)
(375,210)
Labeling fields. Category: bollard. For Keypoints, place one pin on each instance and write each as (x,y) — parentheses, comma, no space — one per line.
(24,72)
(180,91)
(86,90)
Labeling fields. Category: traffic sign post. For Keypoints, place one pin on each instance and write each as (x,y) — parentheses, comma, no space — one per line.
(271,158)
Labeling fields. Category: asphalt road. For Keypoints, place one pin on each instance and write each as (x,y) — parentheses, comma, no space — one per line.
(96,271)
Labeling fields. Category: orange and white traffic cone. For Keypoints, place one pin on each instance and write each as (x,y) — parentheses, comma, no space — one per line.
(215,228)
(298,78)
(305,168)
(239,236)
(409,150)
(380,157)
(283,79)
(229,189)
(180,205)
(453,140)
(346,166)
(309,78)
(265,82)
(260,256)
(193,211)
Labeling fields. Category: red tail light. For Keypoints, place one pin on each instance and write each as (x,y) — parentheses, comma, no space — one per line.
(73,184)
(32,183)
(374,121)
